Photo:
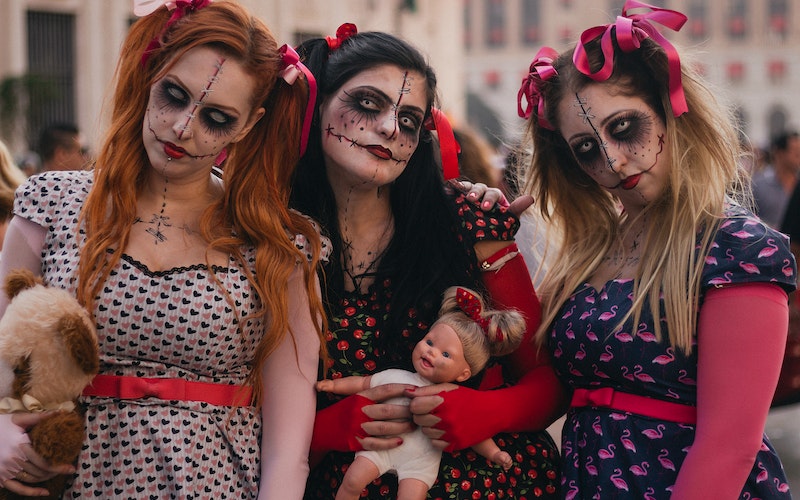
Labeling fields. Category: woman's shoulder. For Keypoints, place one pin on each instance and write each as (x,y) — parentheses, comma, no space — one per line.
(301,240)
(43,196)
(745,249)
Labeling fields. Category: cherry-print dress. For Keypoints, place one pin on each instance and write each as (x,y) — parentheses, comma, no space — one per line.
(617,454)
(356,325)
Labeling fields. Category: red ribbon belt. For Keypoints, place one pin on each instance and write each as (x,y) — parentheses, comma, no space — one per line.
(168,389)
(631,403)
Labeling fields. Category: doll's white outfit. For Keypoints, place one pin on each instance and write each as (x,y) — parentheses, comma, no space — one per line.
(417,457)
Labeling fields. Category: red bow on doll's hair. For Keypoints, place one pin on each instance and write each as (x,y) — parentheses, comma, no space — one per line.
(540,71)
(471,306)
(630,31)
(179,9)
(343,32)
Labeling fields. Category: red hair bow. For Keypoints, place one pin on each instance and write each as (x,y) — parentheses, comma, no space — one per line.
(343,32)
(541,70)
(179,9)
(631,30)
(471,306)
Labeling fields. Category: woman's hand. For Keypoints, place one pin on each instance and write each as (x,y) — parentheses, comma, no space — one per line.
(363,421)
(480,193)
(388,421)
(425,406)
(23,464)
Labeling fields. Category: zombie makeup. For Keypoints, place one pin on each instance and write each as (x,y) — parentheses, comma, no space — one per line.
(369,108)
(616,144)
(195,111)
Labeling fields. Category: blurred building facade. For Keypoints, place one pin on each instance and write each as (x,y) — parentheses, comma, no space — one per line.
(750,49)
(57,57)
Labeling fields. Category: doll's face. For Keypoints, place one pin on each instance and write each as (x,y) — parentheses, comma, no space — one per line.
(439,356)
(619,141)
(371,125)
(200,106)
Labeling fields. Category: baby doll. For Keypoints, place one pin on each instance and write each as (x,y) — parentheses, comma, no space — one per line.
(457,346)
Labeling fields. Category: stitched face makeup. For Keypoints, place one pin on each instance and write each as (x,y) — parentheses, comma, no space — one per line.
(617,140)
(200,106)
(371,125)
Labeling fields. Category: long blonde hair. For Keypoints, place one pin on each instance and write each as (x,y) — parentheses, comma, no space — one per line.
(253,210)
(704,176)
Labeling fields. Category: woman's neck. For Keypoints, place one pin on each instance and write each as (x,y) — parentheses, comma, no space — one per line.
(366,225)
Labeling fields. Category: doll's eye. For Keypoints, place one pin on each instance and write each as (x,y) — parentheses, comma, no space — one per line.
(429,342)
(446,354)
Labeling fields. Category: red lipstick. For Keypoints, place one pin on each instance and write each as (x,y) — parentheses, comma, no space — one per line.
(631,182)
(173,151)
(380,152)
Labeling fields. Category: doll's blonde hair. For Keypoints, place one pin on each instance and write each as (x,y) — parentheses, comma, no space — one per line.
(504,332)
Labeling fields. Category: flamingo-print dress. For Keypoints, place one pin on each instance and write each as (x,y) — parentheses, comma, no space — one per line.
(614,454)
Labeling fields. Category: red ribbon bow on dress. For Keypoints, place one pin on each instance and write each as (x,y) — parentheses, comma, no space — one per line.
(343,32)
(291,67)
(541,70)
(630,31)
(179,9)
(471,306)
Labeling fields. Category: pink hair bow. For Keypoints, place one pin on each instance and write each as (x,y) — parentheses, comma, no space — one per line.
(343,32)
(471,306)
(541,70)
(179,9)
(631,30)
(291,69)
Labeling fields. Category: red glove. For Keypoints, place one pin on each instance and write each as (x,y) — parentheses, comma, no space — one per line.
(510,287)
(469,416)
(337,426)
(537,400)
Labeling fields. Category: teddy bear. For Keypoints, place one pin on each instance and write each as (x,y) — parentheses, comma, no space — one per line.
(50,341)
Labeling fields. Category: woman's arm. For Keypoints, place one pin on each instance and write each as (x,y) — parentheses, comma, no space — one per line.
(741,336)
(289,403)
(22,249)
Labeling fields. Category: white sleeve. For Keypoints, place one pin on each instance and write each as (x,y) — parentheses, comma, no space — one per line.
(289,403)
(22,248)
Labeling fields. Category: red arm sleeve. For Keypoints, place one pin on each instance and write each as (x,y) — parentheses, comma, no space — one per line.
(741,336)
(535,401)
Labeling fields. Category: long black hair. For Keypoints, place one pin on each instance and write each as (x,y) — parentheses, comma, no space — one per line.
(425,255)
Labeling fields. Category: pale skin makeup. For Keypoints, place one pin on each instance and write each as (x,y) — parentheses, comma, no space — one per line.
(196,109)
(619,141)
(371,126)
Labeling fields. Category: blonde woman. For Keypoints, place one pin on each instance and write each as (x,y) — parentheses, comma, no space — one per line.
(666,308)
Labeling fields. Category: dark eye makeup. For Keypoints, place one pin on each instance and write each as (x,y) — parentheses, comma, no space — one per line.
(170,95)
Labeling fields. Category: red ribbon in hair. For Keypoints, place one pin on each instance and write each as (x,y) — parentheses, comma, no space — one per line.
(471,306)
(631,30)
(179,9)
(540,71)
(343,32)
(448,146)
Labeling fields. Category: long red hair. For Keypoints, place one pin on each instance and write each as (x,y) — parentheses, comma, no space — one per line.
(254,208)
